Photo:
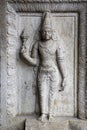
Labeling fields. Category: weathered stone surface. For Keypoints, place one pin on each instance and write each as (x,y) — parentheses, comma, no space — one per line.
(17,86)
(33,38)
(58,124)
(17,123)
(64,103)
(23,1)
(11,92)
(13,42)
(77,125)
(3,75)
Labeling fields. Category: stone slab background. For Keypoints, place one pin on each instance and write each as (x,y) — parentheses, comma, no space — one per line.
(3,59)
(66,27)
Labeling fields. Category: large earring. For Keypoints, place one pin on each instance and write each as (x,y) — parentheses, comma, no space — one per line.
(54,35)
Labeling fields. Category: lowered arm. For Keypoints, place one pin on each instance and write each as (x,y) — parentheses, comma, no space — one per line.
(62,65)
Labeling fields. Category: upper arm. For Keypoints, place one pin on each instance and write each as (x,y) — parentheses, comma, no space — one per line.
(60,51)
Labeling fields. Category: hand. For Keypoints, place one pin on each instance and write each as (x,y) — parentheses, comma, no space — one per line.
(64,82)
(63,85)
(24,49)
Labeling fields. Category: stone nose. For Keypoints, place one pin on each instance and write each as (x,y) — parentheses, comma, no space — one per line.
(46,33)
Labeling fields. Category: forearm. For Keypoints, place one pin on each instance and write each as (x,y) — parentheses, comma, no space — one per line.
(61,59)
(31,61)
(63,69)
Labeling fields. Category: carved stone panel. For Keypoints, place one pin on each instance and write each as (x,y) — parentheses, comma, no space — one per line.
(20,88)
(65,102)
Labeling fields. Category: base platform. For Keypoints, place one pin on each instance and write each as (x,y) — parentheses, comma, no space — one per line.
(60,123)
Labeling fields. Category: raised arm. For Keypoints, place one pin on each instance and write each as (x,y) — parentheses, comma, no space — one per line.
(32,60)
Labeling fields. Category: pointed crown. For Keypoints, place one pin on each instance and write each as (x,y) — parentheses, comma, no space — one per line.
(47,21)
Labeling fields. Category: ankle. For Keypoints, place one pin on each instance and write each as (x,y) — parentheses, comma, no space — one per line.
(50,115)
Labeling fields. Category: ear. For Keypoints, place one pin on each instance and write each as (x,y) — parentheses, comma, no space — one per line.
(54,35)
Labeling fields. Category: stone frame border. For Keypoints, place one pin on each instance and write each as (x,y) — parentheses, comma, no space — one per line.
(79,7)
(47,1)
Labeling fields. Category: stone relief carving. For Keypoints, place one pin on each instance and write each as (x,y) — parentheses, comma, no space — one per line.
(49,56)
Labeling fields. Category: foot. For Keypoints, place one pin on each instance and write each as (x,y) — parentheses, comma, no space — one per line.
(61,89)
(51,118)
(43,118)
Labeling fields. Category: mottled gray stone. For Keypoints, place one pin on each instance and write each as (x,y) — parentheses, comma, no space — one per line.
(58,124)
(65,40)
(18,85)
(3,75)
(26,86)
(69,43)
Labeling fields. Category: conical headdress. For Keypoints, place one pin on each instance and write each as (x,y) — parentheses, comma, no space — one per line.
(47,21)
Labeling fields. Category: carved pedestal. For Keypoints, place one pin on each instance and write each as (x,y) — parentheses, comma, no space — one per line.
(58,124)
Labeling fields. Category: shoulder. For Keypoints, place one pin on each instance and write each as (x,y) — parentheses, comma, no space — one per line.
(35,45)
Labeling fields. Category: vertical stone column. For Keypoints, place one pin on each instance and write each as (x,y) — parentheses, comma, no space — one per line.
(11,91)
(3,74)
(82,67)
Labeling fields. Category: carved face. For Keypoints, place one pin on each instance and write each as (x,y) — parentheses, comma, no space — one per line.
(47,34)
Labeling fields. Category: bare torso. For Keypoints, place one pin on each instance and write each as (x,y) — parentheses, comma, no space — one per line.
(47,52)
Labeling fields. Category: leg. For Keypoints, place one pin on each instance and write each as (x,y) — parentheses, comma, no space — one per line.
(43,92)
(53,90)
(51,100)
